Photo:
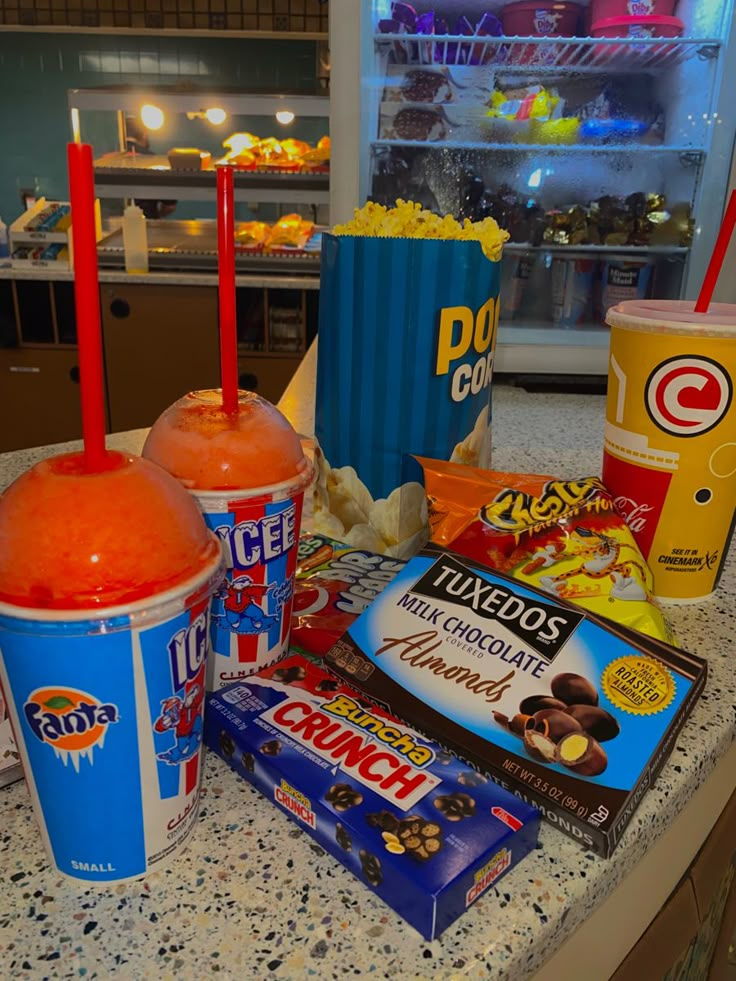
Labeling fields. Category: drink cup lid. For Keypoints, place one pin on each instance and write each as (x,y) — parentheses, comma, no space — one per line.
(209,449)
(72,540)
(674,316)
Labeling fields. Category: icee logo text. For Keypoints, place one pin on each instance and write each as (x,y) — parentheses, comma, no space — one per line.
(181,712)
(187,651)
(72,722)
(250,542)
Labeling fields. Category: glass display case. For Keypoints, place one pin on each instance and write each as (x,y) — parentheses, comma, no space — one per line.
(161,147)
(596,132)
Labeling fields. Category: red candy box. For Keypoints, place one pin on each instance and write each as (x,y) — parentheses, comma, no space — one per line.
(527,18)
(604,9)
(335,583)
(643,27)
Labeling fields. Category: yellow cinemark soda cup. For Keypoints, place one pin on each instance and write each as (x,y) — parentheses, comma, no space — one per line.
(670,445)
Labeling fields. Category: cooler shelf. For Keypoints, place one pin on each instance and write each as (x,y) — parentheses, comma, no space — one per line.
(579,350)
(550,54)
(689,152)
(521,248)
(197,185)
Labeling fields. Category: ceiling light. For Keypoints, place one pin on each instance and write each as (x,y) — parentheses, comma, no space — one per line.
(151,116)
(216,116)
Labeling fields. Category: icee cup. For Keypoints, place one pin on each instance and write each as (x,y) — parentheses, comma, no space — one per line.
(248,473)
(670,445)
(105,583)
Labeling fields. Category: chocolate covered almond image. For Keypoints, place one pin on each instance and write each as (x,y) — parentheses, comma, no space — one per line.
(581,752)
(539,746)
(535,703)
(555,724)
(595,720)
(520,723)
(502,720)
(573,689)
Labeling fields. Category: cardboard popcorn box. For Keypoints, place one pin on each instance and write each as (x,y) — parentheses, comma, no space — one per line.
(407,336)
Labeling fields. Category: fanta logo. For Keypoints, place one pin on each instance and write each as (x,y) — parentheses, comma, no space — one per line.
(187,650)
(688,396)
(250,542)
(72,722)
(515,511)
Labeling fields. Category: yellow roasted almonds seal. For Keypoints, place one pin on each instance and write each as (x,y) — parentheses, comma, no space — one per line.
(638,685)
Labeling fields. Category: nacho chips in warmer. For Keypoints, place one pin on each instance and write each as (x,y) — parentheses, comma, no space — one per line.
(562,536)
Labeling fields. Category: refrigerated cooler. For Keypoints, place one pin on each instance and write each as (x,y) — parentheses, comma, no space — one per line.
(598,133)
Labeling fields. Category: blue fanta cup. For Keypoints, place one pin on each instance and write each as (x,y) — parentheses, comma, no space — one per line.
(105,676)
(407,336)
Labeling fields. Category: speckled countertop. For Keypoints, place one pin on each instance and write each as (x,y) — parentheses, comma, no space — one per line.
(253,897)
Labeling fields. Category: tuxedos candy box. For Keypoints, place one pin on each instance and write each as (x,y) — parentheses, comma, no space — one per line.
(572,712)
(425,832)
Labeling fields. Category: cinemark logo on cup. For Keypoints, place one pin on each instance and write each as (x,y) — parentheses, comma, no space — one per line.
(687,396)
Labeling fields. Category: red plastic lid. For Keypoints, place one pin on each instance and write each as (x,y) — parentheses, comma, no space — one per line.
(645,20)
(561,5)
(71,540)
(209,449)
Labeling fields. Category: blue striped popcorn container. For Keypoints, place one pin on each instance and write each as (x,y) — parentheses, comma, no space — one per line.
(407,337)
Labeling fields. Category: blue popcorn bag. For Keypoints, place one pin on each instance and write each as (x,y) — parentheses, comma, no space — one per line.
(407,337)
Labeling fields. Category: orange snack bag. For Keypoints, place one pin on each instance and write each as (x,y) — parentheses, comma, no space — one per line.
(251,234)
(294,148)
(292,231)
(319,154)
(562,536)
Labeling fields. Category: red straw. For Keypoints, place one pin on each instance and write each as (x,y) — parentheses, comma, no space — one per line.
(226,266)
(719,254)
(87,300)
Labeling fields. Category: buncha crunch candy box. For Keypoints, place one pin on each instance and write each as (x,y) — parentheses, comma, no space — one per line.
(570,711)
(424,831)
